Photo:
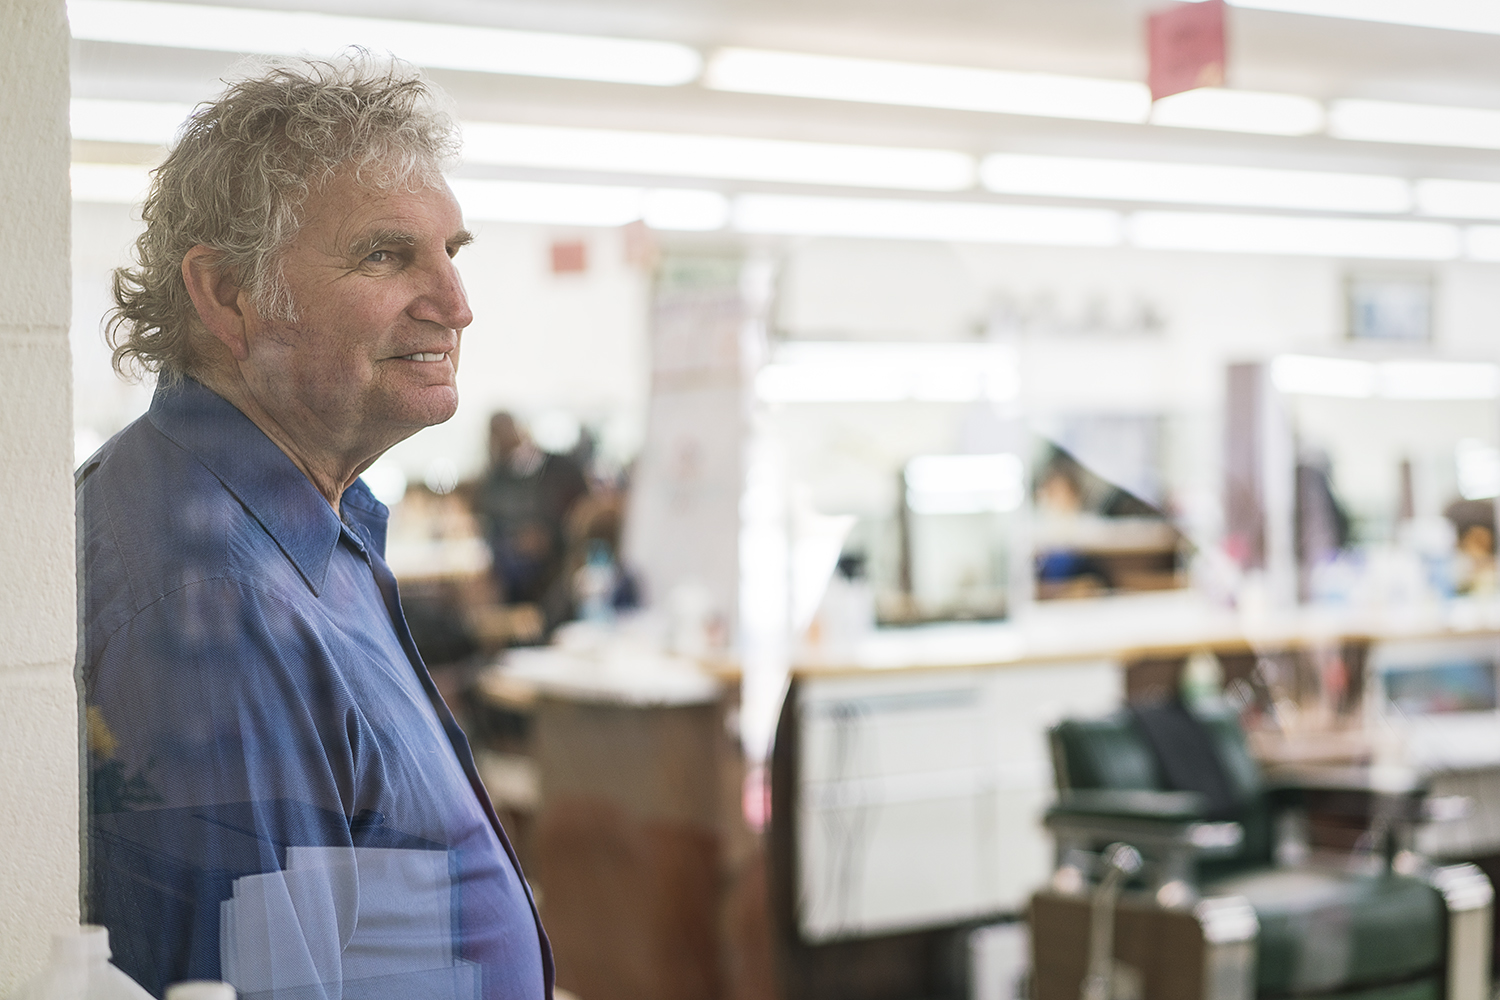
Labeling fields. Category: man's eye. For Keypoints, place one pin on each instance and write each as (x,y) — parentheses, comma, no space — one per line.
(378,257)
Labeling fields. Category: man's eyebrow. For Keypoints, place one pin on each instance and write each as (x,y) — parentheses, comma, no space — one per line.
(462,238)
(368,243)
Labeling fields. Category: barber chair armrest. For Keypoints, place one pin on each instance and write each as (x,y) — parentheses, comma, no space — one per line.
(1166,827)
(1129,804)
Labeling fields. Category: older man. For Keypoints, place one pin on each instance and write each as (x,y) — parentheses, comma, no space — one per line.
(278,795)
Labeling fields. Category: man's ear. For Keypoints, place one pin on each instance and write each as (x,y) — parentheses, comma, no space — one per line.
(219,299)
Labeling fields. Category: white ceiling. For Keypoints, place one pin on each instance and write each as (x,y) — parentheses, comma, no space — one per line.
(1319,57)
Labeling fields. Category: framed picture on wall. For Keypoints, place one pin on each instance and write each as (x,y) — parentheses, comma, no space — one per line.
(1391,308)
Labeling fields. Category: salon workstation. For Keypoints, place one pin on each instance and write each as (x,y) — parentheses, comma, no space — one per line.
(981,500)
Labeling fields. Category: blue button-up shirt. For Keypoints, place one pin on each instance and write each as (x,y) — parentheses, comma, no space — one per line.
(278,795)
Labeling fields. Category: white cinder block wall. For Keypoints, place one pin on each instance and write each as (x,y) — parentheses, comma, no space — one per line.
(39,742)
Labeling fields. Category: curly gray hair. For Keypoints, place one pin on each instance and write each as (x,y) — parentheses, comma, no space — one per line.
(236,179)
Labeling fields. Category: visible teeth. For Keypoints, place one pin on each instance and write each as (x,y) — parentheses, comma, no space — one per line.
(424,357)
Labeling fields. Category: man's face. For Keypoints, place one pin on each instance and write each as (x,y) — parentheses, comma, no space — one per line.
(372,354)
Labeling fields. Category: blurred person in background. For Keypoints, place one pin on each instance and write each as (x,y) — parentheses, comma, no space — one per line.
(279,797)
(1061,570)
(1474,527)
(523,504)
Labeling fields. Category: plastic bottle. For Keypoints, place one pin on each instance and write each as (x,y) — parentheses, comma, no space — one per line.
(200,989)
(80,970)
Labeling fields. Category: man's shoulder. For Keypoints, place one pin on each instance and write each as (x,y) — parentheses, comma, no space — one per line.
(152,518)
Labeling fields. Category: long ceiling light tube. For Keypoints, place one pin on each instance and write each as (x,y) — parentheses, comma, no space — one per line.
(1482,243)
(1294,235)
(947,221)
(734,157)
(1225,110)
(426,43)
(143,122)
(113,183)
(1459,199)
(1481,16)
(1194,183)
(1414,124)
(795,74)
(590,205)
(1351,378)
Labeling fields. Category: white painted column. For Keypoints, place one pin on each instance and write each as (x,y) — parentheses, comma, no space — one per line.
(39,734)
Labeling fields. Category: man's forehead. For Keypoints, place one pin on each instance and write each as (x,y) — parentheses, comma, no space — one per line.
(345,211)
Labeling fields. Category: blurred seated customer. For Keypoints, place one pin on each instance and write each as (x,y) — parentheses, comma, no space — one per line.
(601,585)
(523,503)
(1474,524)
(1094,536)
(1065,571)
(1323,526)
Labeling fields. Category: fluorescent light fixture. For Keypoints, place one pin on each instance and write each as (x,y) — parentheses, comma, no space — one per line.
(1298,236)
(1478,469)
(610,151)
(1439,380)
(1301,374)
(962,222)
(1416,124)
(862,372)
(1482,243)
(1240,111)
(147,122)
(596,205)
(1454,15)
(793,74)
(965,484)
(548,204)
(688,155)
(427,43)
(685,210)
(1143,180)
(117,183)
(1459,199)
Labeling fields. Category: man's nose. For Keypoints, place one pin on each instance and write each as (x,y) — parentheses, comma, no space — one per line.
(445,302)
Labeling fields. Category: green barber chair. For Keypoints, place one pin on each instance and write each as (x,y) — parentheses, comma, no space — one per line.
(1221,897)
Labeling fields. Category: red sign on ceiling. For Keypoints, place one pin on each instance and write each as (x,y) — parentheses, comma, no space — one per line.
(1186,47)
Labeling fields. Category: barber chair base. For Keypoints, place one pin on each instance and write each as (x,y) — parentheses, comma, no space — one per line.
(1161,950)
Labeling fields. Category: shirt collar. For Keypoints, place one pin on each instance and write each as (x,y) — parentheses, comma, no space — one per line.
(262,477)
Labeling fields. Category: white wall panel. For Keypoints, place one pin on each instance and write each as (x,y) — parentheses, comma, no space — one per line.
(920,795)
(39,744)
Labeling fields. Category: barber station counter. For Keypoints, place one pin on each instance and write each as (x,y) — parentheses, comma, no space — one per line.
(651,884)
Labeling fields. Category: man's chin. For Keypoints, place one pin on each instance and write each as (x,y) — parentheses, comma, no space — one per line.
(432,406)
(441,407)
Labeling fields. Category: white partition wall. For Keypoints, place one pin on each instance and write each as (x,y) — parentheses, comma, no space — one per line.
(39,742)
(920,795)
